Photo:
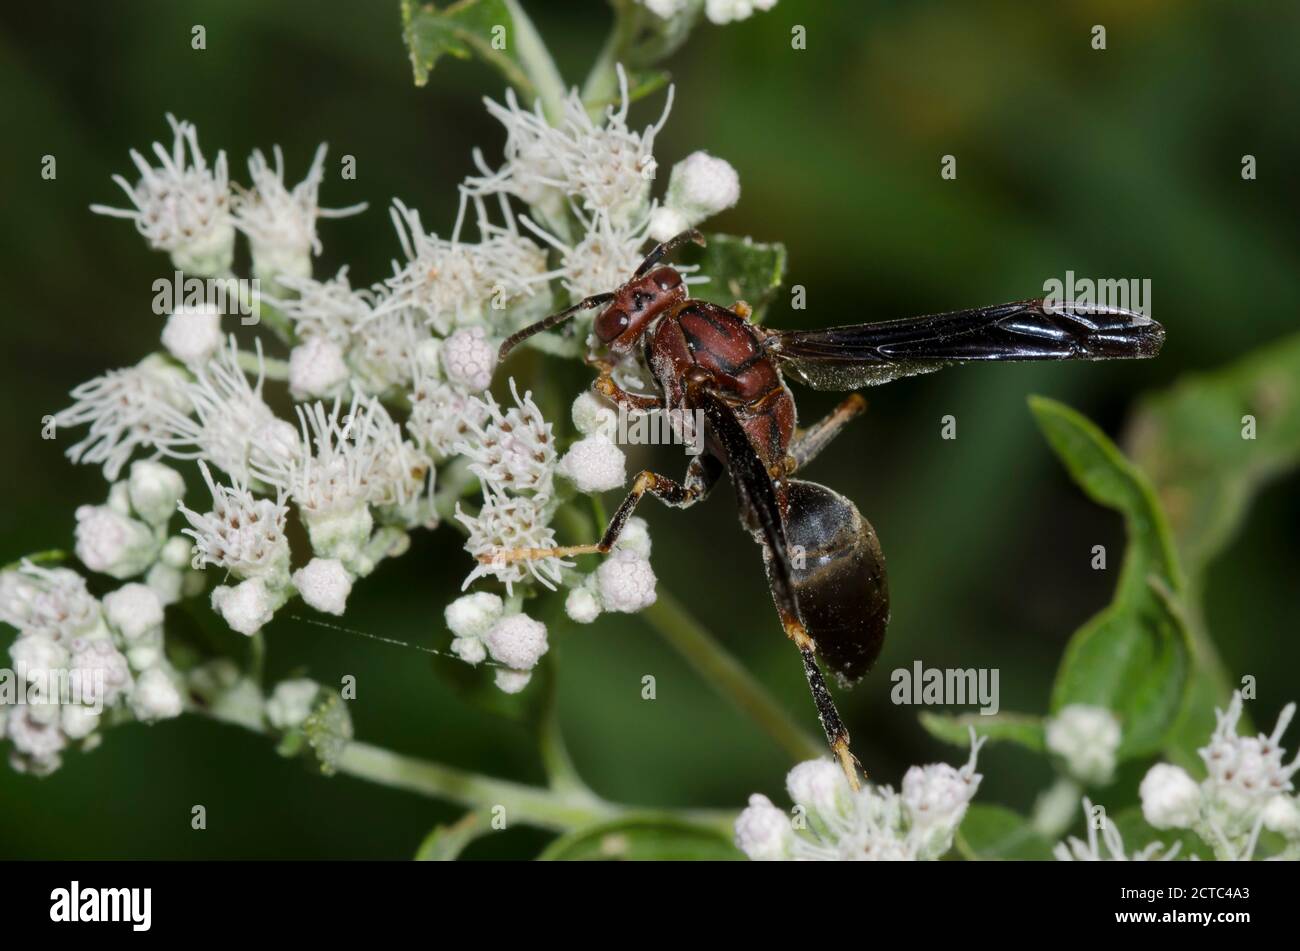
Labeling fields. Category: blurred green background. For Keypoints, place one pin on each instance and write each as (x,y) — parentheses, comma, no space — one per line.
(1122,163)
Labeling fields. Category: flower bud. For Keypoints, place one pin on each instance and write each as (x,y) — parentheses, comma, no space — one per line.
(1171,799)
(112,543)
(154,489)
(324,585)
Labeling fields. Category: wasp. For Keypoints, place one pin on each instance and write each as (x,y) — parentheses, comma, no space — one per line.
(824,563)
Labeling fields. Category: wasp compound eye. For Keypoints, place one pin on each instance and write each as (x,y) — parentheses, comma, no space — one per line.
(611,323)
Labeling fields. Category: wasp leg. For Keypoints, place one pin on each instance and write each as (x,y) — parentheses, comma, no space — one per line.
(607,388)
(837,735)
(809,442)
(701,476)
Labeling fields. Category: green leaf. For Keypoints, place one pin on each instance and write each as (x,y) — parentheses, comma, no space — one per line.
(1134,657)
(1189,439)
(463,30)
(648,837)
(992,832)
(740,269)
(1022,728)
(445,843)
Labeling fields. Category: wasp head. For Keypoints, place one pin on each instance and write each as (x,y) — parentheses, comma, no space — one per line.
(635,306)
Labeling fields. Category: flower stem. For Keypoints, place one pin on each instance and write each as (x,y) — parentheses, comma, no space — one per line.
(537,63)
(602,82)
(722,672)
(522,803)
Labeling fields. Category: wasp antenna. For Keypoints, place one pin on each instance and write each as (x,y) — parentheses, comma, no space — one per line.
(657,253)
(547,323)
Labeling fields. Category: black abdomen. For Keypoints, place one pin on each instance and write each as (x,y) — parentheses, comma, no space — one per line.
(841,587)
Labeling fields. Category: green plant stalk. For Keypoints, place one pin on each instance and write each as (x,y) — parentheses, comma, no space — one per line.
(269,367)
(537,63)
(602,81)
(529,805)
(725,674)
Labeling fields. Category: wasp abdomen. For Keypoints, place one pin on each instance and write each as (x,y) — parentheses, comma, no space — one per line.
(838,578)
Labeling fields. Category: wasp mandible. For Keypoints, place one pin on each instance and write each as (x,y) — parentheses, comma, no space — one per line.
(833,599)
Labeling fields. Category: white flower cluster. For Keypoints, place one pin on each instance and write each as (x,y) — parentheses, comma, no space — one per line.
(1086,739)
(187,209)
(78,663)
(422,342)
(1077,850)
(483,627)
(832,822)
(717,11)
(1247,788)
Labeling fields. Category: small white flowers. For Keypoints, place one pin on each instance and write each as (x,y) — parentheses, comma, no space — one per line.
(508,522)
(832,822)
(153,490)
(281,224)
(1247,787)
(316,368)
(700,186)
(290,704)
(517,642)
(626,582)
(512,450)
(1087,740)
(182,206)
(127,410)
(594,464)
(1170,798)
(247,607)
(1076,850)
(156,697)
(193,336)
(241,533)
(608,168)
(113,543)
(469,358)
(324,585)
(729,11)
(482,627)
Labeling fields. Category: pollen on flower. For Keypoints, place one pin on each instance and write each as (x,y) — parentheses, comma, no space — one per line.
(127,410)
(181,206)
(233,427)
(330,309)
(281,223)
(832,822)
(608,167)
(514,449)
(508,522)
(241,533)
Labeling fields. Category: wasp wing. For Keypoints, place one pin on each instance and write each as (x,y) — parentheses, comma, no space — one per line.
(754,489)
(846,358)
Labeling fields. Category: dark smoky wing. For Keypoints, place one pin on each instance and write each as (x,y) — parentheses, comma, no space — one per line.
(868,354)
(754,487)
